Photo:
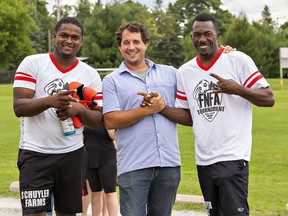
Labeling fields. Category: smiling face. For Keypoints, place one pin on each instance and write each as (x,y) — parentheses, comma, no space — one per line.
(204,37)
(68,40)
(132,49)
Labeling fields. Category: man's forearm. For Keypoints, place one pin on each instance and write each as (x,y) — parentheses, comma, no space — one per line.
(91,118)
(178,115)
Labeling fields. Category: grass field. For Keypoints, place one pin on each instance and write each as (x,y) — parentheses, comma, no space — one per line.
(268,180)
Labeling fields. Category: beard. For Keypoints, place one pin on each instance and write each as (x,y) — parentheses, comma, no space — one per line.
(64,54)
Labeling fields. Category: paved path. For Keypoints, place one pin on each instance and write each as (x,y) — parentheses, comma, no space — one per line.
(11,207)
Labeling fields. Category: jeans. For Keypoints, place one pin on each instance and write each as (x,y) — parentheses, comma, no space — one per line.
(150,191)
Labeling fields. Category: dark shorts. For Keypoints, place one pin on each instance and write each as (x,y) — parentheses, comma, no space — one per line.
(44,174)
(225,187)
(104,177)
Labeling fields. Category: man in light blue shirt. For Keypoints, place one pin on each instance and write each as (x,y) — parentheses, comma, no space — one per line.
(148,154)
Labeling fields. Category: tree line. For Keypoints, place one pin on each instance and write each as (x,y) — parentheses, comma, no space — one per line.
(27,28)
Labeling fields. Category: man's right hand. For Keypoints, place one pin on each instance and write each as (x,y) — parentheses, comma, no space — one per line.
(147,98)
(153,101)
(62,99)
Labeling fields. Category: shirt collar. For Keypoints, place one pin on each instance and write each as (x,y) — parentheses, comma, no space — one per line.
(123,68)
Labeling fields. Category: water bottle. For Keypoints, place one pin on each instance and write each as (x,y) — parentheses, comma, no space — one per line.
(68,127)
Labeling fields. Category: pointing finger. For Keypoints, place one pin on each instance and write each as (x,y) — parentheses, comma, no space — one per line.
(142,93)
(216,76)
(68,92)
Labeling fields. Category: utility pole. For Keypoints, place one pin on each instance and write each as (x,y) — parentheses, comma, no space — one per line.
(49,41)
(35,9)
(58,18)
(58,10)
(277,20)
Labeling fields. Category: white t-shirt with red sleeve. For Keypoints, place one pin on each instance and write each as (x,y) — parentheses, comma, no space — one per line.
(222,123)
(41,73)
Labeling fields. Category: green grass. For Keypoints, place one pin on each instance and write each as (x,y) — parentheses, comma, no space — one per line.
(268,180)
(9,127)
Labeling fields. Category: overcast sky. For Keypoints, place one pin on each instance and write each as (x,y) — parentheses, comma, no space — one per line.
(252,8)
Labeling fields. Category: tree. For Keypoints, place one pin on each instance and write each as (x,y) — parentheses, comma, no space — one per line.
(99,44)
(224,19)
(255,40)
(16,24)
(83,13)
(267,18)
(284,26)
(186,10)
(83,10)
(64,11)
(158,4)
(165,39)
(40,37)
(188,48)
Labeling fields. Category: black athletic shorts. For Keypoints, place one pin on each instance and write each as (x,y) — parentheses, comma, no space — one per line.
(103,177)
(224,186)
(44,174)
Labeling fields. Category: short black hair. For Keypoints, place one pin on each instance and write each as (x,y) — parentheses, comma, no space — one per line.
(68,20)
(206,17)
(132,26)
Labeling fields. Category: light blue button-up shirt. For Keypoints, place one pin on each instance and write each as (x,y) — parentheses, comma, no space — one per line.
(153,141)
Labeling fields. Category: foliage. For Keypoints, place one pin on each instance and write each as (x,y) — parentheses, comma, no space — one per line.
(83,10)
(165,39)
(16,24)
(224,20)
(186,10)
(26,28)
(267,18)
(188,48)
(268,62)
(100,44)
(41,38)
(60,11)
(257,45)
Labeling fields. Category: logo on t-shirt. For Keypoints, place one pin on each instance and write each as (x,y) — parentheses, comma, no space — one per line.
(55,86)
(209,103)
